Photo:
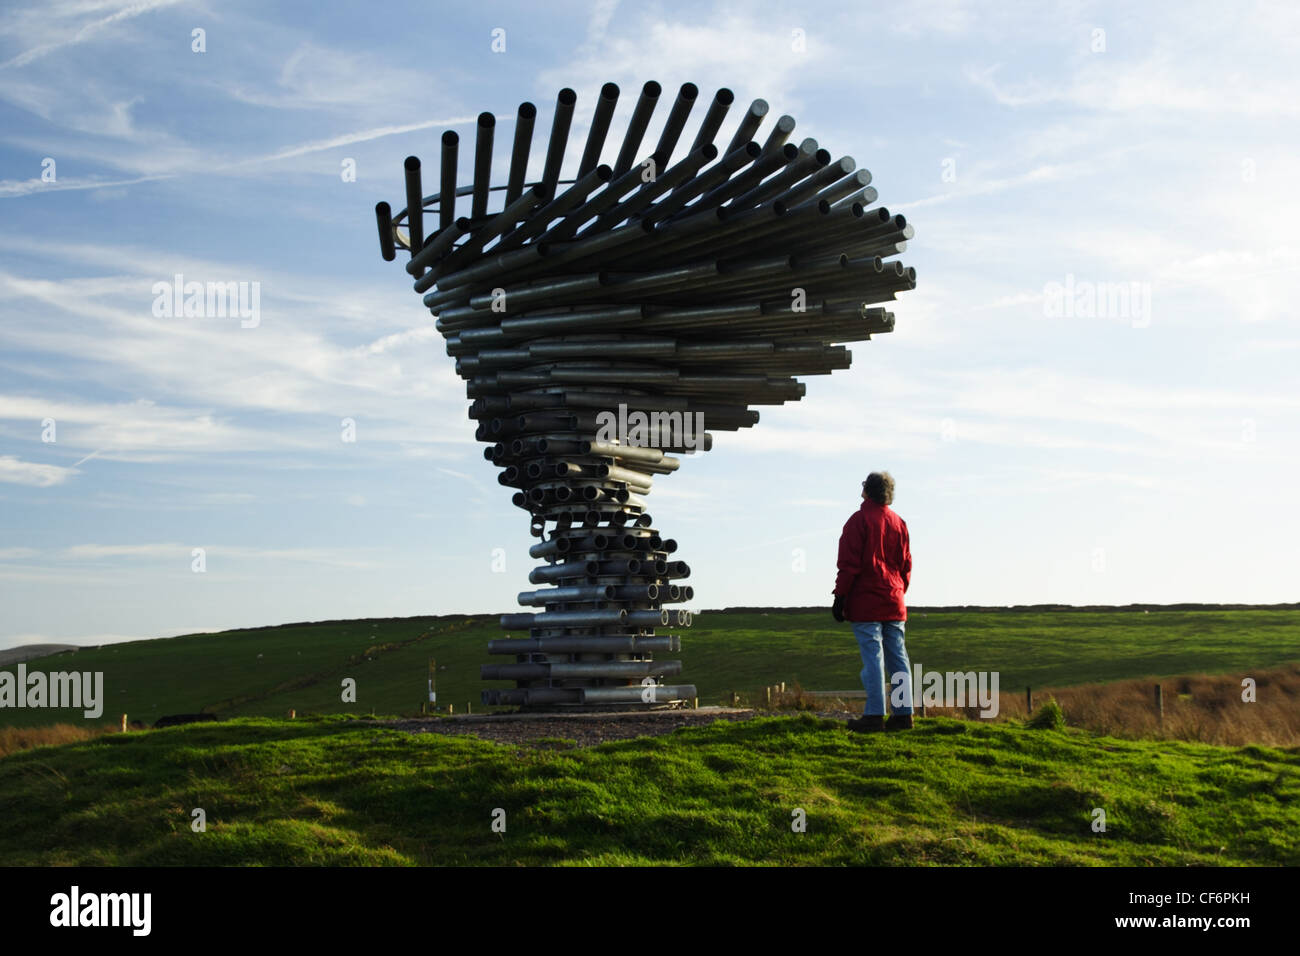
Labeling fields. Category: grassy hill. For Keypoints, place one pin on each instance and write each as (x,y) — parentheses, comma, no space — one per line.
(267,671)
(332,791)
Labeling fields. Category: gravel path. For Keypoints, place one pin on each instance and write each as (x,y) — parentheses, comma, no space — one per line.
(586,729)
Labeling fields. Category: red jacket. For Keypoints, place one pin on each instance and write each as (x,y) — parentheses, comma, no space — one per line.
(875,565)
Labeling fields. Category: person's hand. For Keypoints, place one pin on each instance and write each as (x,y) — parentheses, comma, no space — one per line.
(837,609)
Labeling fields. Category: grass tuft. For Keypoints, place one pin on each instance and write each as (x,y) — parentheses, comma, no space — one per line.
(1049,716)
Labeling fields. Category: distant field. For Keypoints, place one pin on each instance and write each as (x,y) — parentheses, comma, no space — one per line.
(330,791)
(267,671)
(27,652)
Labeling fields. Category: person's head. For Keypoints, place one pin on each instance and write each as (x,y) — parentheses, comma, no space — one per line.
(879,487)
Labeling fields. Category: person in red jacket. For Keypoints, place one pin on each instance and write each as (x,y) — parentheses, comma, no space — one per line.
(875,569)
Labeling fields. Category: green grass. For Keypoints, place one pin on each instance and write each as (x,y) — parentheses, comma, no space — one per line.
(302,666)
(266,671)
(1037,649)
(330,791)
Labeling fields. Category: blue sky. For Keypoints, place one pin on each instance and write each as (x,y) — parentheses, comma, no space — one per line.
(1093,457)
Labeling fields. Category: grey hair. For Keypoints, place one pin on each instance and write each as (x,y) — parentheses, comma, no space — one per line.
(880,487)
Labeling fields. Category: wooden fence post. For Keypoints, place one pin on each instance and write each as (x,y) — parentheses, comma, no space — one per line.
(124,723)
(1029,700)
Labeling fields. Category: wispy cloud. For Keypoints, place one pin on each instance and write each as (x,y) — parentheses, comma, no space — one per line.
(61,36)
(11,188)
(348,139)
(179,552)
(16,471)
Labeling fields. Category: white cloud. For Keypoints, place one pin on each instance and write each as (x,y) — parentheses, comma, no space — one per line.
(10,188)
(182,553)
(204,376)
(58,36)
(19,472)
(1046,173)
(348,139)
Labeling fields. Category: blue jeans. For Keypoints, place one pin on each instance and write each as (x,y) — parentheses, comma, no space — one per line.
(878,669)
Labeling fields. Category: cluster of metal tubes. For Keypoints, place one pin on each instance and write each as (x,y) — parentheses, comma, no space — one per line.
(682,288)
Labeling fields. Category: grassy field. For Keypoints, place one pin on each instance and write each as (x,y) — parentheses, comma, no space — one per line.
(267,671)
(331,791)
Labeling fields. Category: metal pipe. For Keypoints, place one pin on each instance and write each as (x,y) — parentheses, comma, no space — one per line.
(712,121)
(579,644)
(562,204)
(559,139)
(566,569)
(808,160)
(436,248)
(600,203)
(844,187)
(447,193)
(414,204)
(767,162)
(557,546)
(624,284)
(713,177)
(482,164)
(531,695)
(657,694)
(567,253)
(599,128)
(524,120)
(796,195)
(621,315)
(575,593)
(643,197)
(749,124)
(506,262)
(780,133)
(518,298)
(619,473)
(645,107)
(676,121)
(647,618)
(863,197)
(661,348)
(497,226)
(580,669)
(637,592)
(548,619)
(626,452)
(384,217)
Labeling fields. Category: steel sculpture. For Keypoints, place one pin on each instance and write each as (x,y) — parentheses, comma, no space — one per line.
(599,321)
